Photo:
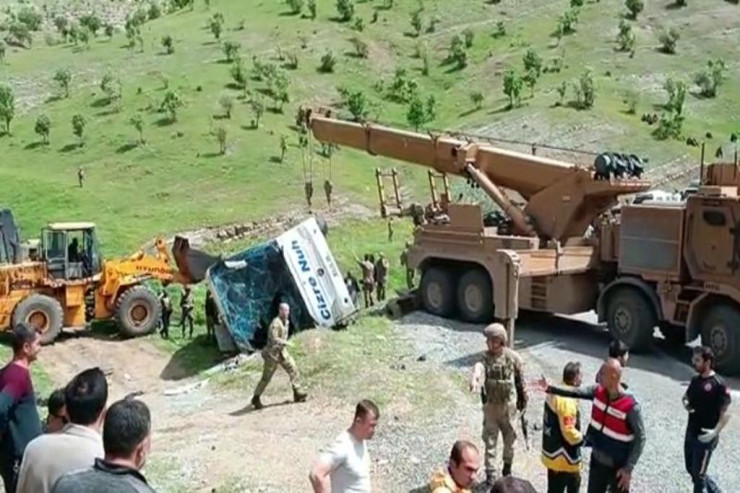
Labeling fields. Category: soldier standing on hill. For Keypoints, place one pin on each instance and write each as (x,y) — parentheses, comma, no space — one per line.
(308,190)
(328,188)
(166,303)
(381,275)
(390,229)
(81,176)
(186,309)
(500,379)
(368,279)
(405,263)
(275,354)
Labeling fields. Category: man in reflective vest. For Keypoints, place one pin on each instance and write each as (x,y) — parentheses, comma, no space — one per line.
(616,432)
(562,437)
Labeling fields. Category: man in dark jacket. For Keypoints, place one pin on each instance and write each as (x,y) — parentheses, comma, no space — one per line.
(127,440)
(616,432)
(19,417)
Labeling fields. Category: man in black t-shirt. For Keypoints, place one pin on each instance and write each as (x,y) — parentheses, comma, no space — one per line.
(706,400)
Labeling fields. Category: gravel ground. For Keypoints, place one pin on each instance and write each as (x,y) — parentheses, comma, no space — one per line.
(546,344)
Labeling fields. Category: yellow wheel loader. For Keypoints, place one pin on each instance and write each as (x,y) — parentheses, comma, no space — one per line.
(63,281)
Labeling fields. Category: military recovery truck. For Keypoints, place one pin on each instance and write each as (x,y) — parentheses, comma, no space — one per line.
(568,247)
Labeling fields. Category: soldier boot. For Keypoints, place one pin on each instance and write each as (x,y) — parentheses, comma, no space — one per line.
(299,395)
(507,469)
(256,402)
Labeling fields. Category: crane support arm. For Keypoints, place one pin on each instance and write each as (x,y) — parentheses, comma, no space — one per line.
(562,198)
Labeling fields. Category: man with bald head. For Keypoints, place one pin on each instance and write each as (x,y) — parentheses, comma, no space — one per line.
(616,432)
(275,354)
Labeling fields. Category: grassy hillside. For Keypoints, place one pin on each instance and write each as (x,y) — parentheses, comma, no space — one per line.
(178,180)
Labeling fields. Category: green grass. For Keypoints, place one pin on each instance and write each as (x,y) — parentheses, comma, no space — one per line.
(177,181)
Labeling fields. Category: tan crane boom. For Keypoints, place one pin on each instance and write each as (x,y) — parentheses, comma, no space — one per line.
(562,199)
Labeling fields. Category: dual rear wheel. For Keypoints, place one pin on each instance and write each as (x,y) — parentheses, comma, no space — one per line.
(450,291)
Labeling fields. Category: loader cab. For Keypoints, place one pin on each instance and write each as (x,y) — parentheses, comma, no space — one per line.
(71,250)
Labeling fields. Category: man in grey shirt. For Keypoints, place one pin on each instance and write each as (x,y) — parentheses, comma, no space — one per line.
(127,440)
(616,431)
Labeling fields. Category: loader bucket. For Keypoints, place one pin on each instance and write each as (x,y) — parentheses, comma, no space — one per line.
(191,263)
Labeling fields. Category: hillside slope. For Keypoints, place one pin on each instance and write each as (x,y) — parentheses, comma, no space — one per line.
(179,180)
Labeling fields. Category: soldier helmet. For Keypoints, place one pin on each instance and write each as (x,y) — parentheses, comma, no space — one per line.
(496,331)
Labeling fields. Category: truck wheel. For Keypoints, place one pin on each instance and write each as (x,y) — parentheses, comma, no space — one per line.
(631,318)
(475,296)
(719,331)
(137,311)
(42,312)
(438,291)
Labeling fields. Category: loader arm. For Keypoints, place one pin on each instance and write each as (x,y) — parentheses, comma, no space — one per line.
(562,199)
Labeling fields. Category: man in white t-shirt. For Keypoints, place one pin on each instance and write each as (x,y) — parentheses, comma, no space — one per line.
(344,467)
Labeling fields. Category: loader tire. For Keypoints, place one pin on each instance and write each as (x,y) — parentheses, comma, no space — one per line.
(475,296)
(137,312)
(720,331)
(42,312)
(437,291)
(631,318)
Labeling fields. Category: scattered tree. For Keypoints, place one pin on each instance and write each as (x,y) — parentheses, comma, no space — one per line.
(425,63)
(532,62)
(292,62)
(30,17)
(169,44)
(221,134)
(295,6)
(676,95)
(43,127)
(20,34)
(634,7)
(458,55)
(357,105)
(567,23)
(345,9)
(530,79)
(155,11)
(92,22)
(359,24)
(227,104)
(710,79)
(669,126)
(2,50)
(680,3)
(361,48)
(631,99)
(109,30)
(231,49)
(625,38)
(63,77)
(418,114)
(216,24)
(84,35)
(585,90)
(416,22)
(78,127)
(562,89)
(62,24)
(277,85)
(576,3)
(171,103)
(7,106)
(327,63)
(513,88)
(137,122)
(239,73)
(432,24)
(476,97)
(668,40)
(500,30)
(258,108)
(468,35)
(312,9)
(111,86)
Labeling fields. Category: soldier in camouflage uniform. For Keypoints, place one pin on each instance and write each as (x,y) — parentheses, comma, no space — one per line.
(275,354)
(499,377)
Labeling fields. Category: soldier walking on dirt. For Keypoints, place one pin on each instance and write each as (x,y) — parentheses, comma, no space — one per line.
(328,188)
(166,303)
(186,309)
(500,379)
(390,229)
(405,263)
(275,354)
(308,190)
(381,275)
(368,279)
(81,176)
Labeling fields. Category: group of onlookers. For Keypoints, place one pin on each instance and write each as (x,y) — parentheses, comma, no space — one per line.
(83,447)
